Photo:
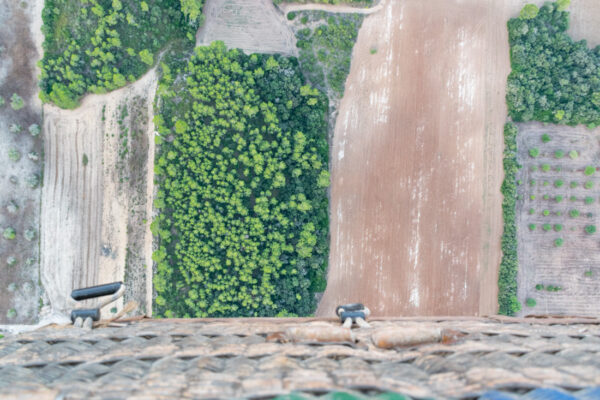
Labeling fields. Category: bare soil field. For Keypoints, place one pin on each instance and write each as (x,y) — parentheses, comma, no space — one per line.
(254,26)
(558,212)
(417,158)
(20,161)
(97,198)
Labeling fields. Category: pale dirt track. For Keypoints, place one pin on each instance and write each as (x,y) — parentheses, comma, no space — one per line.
(416,213)
(288,7)
(86,213)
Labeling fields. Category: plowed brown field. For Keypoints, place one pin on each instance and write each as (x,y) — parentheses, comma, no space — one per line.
(416,213)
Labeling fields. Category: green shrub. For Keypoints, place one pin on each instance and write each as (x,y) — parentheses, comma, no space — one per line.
(530,302)
(85,159)
(291,15)
(29,234)
(559,154)
(573,198)
(573,154)
(574,213)
(589,170)
(558,183)
(304,20)
(546,167)
(532,182)
(589,273)
(558,213)
(11,261)
(546,197)
(532,197)
(12,207)
(532,227)
(531,211)
(11,313)
(573,184)
(589,185)
(16,102)
(534,152)
(546,138)
(546,227)
(534,168)
(558,242)
(546,213)
(9,233)
(589,200)
(14,155)
(34,130)
(558,199)
(530,11)
(33,181)
(539,286)
(545,183)
(558,227)
(15,128)
(558,168)
(373,50)
(590,229)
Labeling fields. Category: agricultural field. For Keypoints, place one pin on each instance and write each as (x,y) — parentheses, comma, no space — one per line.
(253,26)
(558,212)
(21,161)
(97,195)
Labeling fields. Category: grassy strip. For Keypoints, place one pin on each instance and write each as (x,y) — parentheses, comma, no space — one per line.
(507,281)
(351,2)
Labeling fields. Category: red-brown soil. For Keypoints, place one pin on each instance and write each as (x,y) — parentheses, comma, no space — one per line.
(416,162)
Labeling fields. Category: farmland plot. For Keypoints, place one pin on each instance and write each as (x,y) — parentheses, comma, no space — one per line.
(20,165)
(557,214)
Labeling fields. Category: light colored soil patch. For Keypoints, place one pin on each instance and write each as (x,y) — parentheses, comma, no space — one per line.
(287,7)
(540,261)
(89,212)
(254,26)
(19,289)
(585,21)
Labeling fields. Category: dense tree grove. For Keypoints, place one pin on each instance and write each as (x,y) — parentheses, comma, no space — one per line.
(553,78)
(326,51)
(243,172)
(507,281)
(100,45)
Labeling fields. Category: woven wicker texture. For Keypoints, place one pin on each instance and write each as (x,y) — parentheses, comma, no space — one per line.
(165,359)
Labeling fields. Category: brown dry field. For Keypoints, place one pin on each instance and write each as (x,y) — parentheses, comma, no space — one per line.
(416,213)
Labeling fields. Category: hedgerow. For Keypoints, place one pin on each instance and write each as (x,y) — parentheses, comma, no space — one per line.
(100,45)
(242,170)
(553,78)
(507,281)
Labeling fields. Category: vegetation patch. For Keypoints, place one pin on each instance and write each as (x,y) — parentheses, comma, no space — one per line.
(553,78)
(242,170)
(325,43)
(100,45)
(507,281)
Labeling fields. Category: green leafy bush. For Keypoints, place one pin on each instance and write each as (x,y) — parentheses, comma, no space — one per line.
(590,229)
(507,281)
(534,152)
(100,45)
(589,200)
(531,211)
(34,130)
(532,227)
(553,78)
(588,185)
(589,170)
(558,227)
(573,154)
(558,242)
(546,213)
(558,198)
(545,167)
(242,199)
(547,227)
(9,233)
(530,302)
(574,213)
(539,286)
(559,154)
(11,261)
(16,102)
(558,183)
(14,155)
(546,138)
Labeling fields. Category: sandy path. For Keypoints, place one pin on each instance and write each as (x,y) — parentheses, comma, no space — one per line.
(85,210)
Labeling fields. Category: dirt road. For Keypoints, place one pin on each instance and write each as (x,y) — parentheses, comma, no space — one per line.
(287,7)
